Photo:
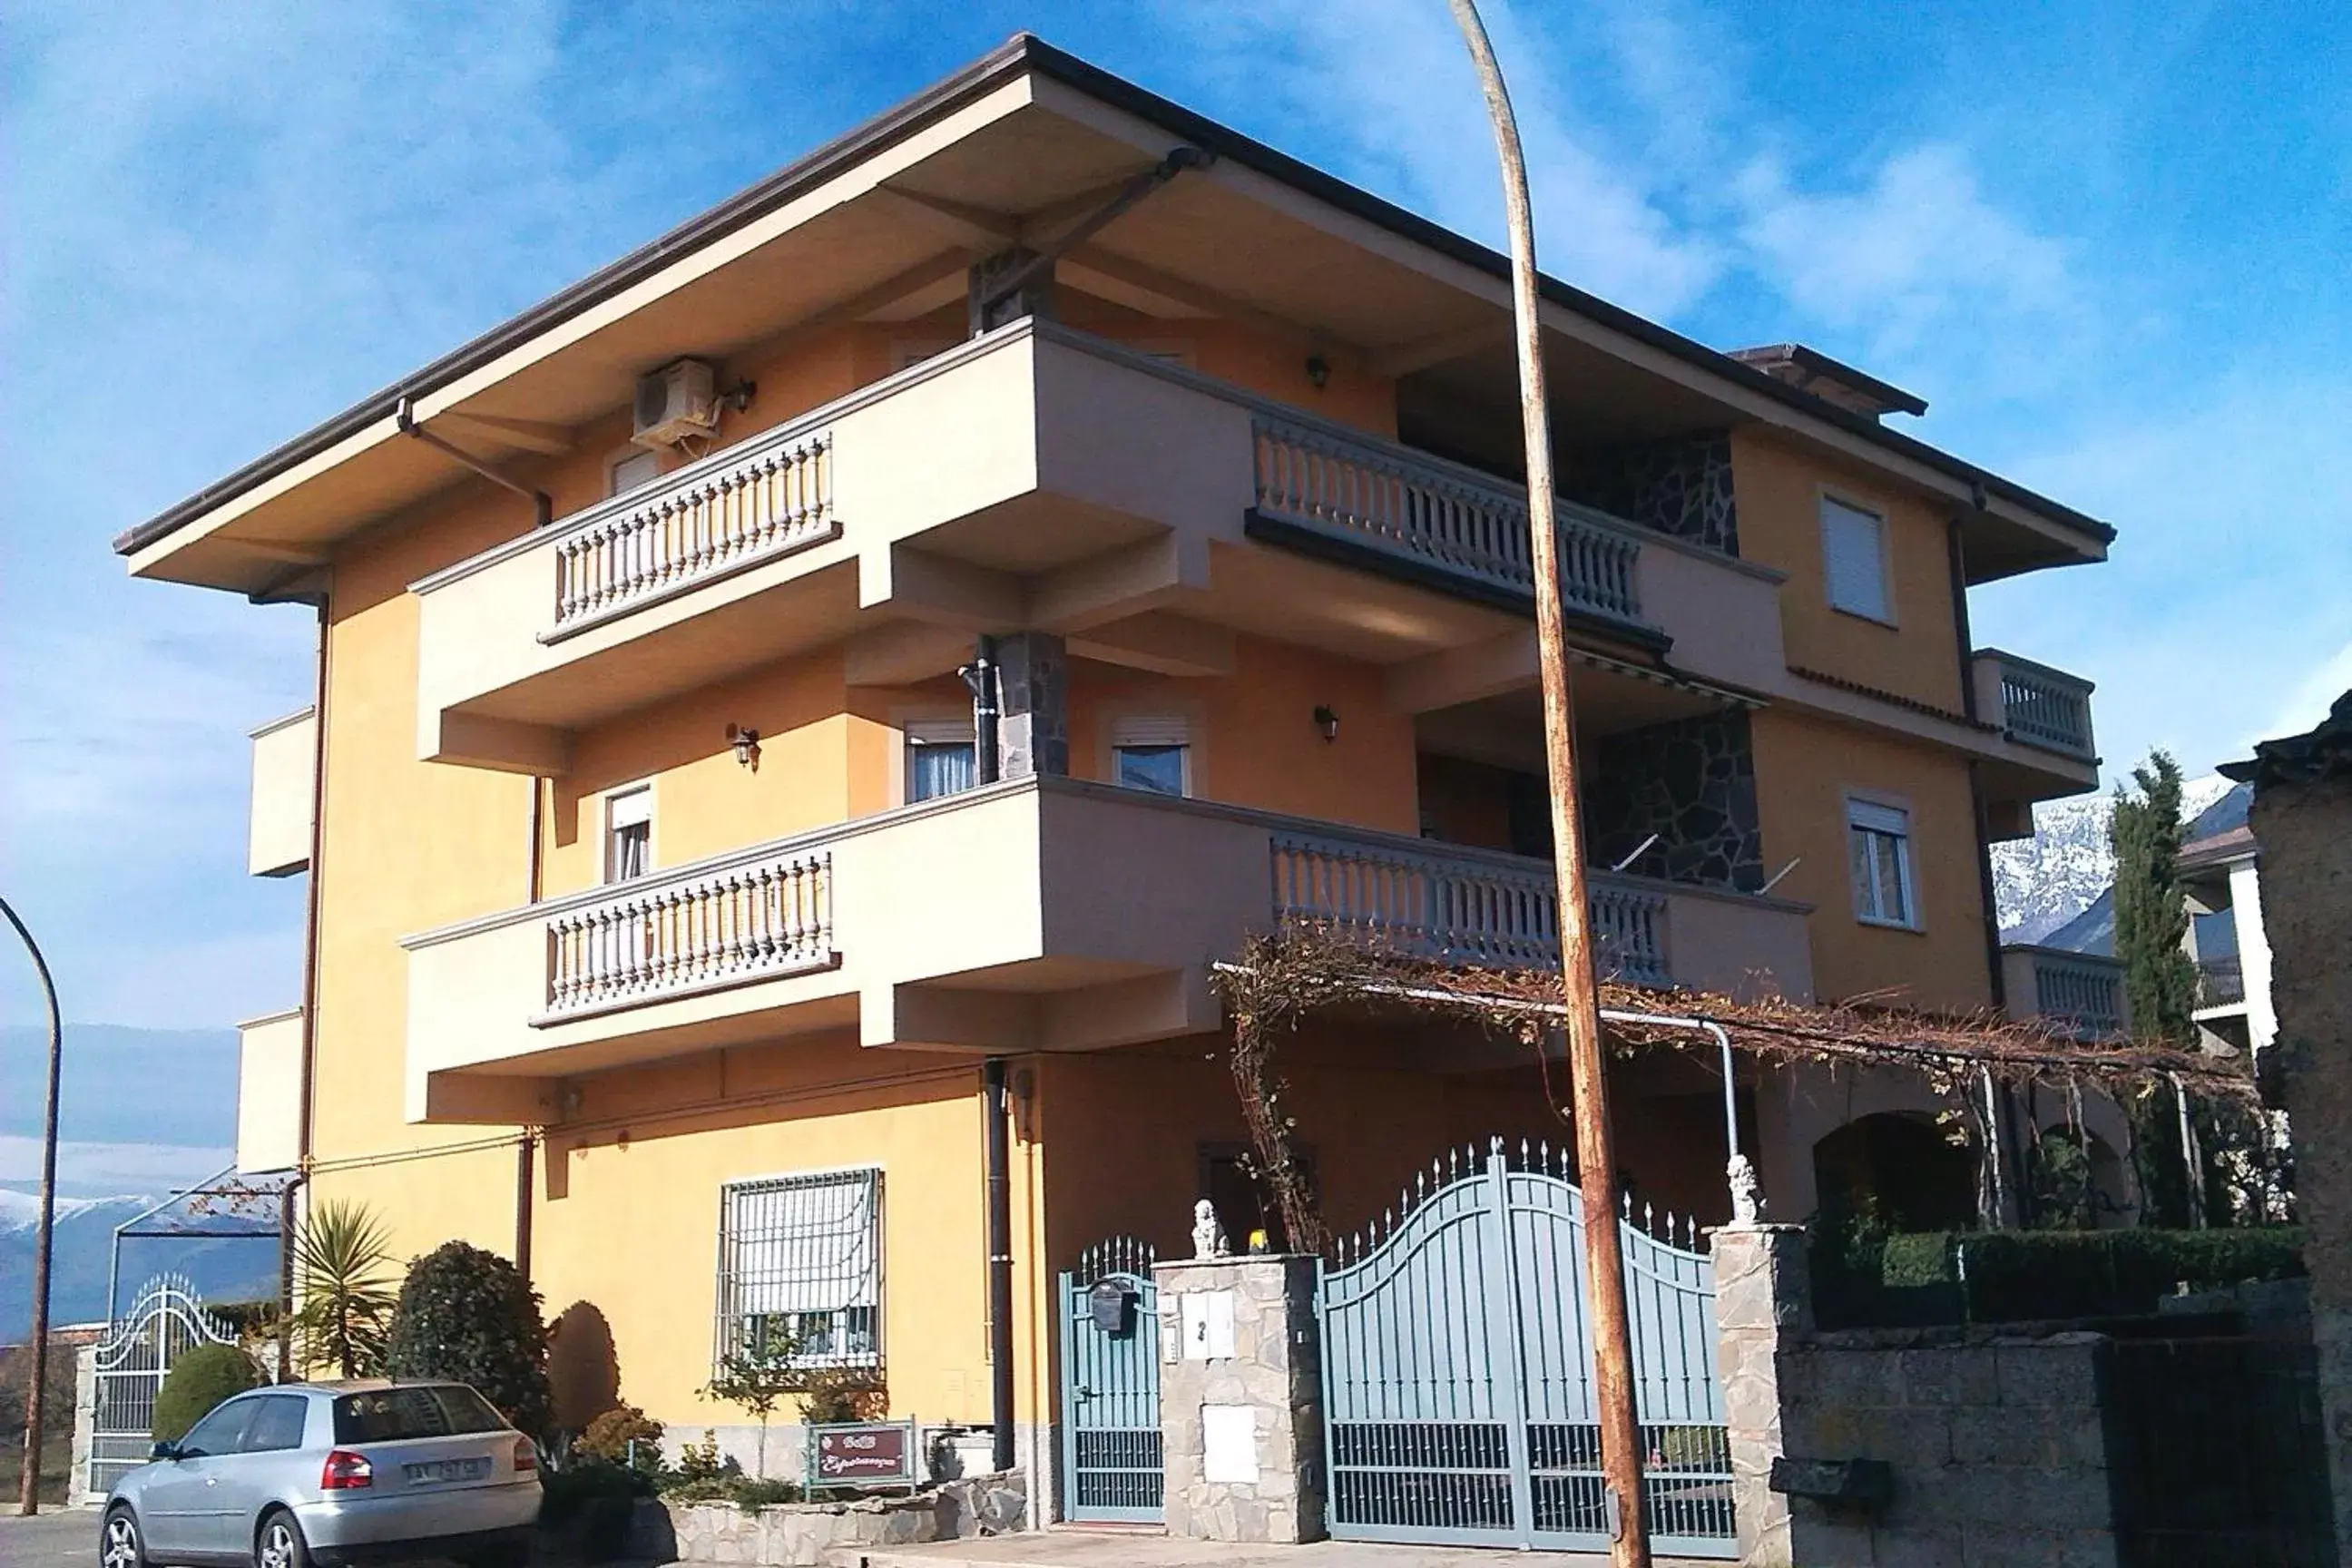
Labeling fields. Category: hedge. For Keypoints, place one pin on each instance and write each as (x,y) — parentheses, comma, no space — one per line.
(200,1379)
(1909,1279)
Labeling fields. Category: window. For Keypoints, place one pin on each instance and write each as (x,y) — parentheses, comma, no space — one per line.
(939,758)
(277,1424)
(637,468)
(1854,552)
(1152,754)
(1878,840)
(800,1268)
(628,832)
(413,1410)
(221,1431)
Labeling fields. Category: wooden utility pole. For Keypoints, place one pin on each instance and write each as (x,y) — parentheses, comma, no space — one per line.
(28,1493)
(1596,1160)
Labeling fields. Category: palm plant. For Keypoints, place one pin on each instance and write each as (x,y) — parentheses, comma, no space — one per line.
(341,1256)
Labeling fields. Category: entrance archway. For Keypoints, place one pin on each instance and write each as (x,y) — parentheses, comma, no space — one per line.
(1901,1167)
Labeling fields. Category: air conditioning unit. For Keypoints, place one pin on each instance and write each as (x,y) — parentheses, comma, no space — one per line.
(677,401)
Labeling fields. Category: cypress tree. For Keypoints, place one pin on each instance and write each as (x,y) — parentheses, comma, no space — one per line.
(2151,915)
(2159,981)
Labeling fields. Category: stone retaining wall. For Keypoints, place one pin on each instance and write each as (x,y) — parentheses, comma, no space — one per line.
(803,1532)
(1996,1443)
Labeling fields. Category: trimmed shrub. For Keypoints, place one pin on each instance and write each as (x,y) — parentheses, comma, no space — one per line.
(466,1314)
(199,1380)
(608,1438)
(1906,1281)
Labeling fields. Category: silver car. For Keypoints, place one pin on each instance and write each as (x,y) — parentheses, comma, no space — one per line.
(330,1473)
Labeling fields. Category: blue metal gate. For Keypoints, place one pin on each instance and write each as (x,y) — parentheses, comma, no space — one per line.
(1110,1386)
(1457,1369)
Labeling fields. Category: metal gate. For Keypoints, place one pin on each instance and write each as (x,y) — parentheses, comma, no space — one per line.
(1457,1369)
(166,1322)
(1110,1386)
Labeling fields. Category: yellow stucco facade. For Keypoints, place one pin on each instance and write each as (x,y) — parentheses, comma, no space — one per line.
(1224,524)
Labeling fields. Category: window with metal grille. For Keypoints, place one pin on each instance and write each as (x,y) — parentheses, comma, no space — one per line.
(799,1268)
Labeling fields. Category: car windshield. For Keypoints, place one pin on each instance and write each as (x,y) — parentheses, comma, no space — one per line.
(421,1410)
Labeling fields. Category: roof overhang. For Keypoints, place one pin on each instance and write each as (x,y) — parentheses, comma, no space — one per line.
(881,223)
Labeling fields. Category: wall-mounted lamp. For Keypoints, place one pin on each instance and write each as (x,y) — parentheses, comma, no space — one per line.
(739,396)
(1318,370)
(1327,723)
(747,745)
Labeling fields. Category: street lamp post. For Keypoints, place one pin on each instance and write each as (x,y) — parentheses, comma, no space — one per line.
(1620,1457)
(28,1494)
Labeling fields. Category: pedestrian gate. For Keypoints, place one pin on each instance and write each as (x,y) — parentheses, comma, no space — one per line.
(166,1322)
(1457,1369)
(1110,1386)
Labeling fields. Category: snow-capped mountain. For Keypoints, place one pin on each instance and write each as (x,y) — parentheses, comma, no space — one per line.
(225,1267)
(2040,883)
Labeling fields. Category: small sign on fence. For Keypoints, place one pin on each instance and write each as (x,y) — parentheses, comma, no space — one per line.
(862,1453)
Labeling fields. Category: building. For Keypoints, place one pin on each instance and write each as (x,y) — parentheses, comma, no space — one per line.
(682,923)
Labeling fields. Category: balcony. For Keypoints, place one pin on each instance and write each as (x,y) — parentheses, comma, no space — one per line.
(2035,705)
(284,787)
(2221,986)
(1038,476)
(1032,915)
(2081,993)
(269,1092)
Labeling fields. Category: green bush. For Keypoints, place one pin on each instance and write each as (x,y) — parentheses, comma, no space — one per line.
(1904,1281)
(609,1437)
(199,1380)
(749,1493)
(466,1314)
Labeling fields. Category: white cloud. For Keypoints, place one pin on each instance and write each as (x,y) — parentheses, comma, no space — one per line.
(1391,85)
(1917,250)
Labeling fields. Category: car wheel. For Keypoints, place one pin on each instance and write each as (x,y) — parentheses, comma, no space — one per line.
(120,1545)
(278,1542)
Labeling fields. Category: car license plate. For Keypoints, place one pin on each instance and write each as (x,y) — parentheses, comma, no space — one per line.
(435,1471)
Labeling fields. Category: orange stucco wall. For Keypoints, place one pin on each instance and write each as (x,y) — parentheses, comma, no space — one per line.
(1804,770)
(1780,492)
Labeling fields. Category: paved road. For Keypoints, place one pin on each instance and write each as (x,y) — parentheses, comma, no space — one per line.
(50,1539)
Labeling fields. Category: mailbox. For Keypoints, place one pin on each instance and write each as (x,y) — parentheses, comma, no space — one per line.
(1112,1306)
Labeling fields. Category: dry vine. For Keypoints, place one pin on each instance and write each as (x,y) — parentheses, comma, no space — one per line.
(1281,979)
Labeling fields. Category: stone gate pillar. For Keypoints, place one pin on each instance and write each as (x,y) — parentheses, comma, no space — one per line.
(1763,1299)
(1241,1399)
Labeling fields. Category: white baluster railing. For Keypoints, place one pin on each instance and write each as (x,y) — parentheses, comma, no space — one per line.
(2085,990)
(1459,909)
(1437,513)
(2041,706)
(776,494)
(644,943)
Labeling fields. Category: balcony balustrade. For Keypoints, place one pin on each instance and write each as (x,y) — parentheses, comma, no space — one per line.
(1458,910)
(669,936)
(1438,514)
(2082,993)
(2035,704)
(770,495)
(2220,983)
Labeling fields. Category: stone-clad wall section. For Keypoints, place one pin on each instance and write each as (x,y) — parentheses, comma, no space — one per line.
(1691,782)
(1997,1447)
(1681,486)
(1271,1381)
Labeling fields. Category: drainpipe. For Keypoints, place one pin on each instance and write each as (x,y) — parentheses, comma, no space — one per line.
(979,675)
(289,1200)
(999,1180)
(524,1162)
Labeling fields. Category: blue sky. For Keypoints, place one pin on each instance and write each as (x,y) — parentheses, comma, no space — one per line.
(2109,243)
